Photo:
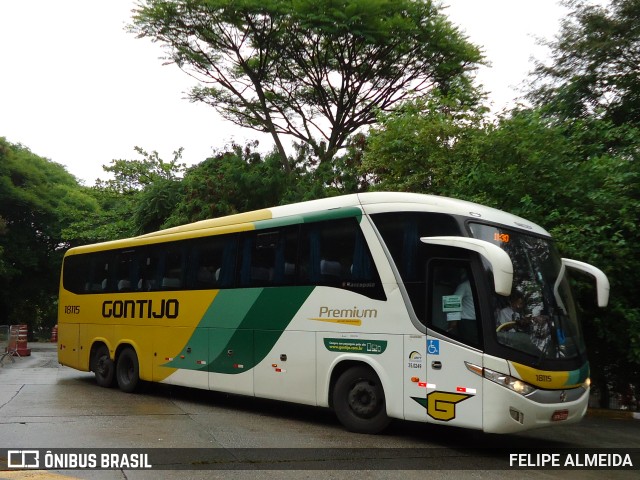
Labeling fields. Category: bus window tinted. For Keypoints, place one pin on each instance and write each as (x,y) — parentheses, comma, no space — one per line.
(213,262)
(331,253)
(269,257)
(336,254)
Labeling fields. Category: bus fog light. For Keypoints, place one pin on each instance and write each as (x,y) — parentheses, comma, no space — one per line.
(517,415)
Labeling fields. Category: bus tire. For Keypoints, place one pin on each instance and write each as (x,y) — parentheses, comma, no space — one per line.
(103,367)
(359,402)
(127,370)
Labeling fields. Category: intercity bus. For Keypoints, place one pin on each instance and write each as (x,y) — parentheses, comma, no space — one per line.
(377,305)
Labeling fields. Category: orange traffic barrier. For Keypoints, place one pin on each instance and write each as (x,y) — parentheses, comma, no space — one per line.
(54,334)
(21,342)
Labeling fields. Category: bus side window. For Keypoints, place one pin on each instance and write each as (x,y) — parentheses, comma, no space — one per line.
(148,263)
(104,275)
(269,257)
(212,263)
(126,271)
(77,274)
(335,253)
(401,232)
(173,269)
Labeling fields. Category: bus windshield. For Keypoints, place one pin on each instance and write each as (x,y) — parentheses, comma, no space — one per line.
(539,318)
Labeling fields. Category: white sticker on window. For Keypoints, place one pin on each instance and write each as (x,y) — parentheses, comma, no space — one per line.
(452,303)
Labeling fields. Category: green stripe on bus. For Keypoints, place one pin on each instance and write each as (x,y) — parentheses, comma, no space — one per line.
(241,327)
(577,377)
(323,215)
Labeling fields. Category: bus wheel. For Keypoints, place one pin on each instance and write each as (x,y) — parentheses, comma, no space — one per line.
(103,367)
(127,370)
(358,400)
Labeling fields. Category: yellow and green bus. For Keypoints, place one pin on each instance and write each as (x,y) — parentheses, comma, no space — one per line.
(378,305)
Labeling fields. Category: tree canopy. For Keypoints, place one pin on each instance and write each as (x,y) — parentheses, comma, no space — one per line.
(593,69)
(38,200)
(317,70)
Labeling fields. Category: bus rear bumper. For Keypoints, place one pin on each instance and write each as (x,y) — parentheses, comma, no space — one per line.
(508,412)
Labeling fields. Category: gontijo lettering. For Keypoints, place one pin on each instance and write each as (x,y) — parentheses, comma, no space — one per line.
(141,308)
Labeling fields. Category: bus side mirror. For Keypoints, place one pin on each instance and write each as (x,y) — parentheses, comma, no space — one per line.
(497,258)
(602,282)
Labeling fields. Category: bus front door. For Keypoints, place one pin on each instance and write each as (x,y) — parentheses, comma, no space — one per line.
(454,391)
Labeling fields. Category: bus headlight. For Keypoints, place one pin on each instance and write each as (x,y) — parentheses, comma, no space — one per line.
(509,382)
(502,379)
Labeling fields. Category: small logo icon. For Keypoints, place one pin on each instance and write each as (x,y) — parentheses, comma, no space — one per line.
(23,459)
(433,347)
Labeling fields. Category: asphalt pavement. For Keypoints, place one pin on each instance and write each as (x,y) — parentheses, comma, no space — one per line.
(193,434)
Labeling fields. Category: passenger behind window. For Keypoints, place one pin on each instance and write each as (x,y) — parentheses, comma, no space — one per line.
(330,272)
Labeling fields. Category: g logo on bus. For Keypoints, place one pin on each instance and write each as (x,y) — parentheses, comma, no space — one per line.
(442,405)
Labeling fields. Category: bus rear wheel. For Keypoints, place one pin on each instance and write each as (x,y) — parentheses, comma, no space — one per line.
(127,370)
(359,402)
(103,367)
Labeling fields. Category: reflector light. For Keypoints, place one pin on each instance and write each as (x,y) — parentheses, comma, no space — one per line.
(560,415)
(465,390)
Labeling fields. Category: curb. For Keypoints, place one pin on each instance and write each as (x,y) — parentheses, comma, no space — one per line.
(613,414)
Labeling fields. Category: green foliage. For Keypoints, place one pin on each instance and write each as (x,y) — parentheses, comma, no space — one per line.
(38,199)
(235,180)
(131,176)
(564,176)
(422,147)
(138,198)
(594,65)
(591,88)
(318,70)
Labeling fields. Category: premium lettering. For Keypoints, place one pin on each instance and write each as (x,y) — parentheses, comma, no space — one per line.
(355,312)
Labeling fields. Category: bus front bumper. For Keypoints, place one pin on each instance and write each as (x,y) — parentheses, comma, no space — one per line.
(506,411)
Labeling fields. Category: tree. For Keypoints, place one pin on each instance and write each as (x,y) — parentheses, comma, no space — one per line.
(553,173)
(318,70)
(236,179)
(139,198)
(130,176)
(422,146)
(593,69)
(38,200)
(591,89)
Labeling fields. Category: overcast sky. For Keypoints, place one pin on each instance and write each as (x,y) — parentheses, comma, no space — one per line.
(79,90)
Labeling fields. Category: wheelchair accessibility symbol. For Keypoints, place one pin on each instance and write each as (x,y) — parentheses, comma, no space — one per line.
(433,347)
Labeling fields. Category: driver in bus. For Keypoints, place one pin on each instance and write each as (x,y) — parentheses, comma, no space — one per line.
(511,315)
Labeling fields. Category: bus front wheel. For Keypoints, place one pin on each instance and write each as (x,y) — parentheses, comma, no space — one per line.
(358,400)
(103,367)
(127,370)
